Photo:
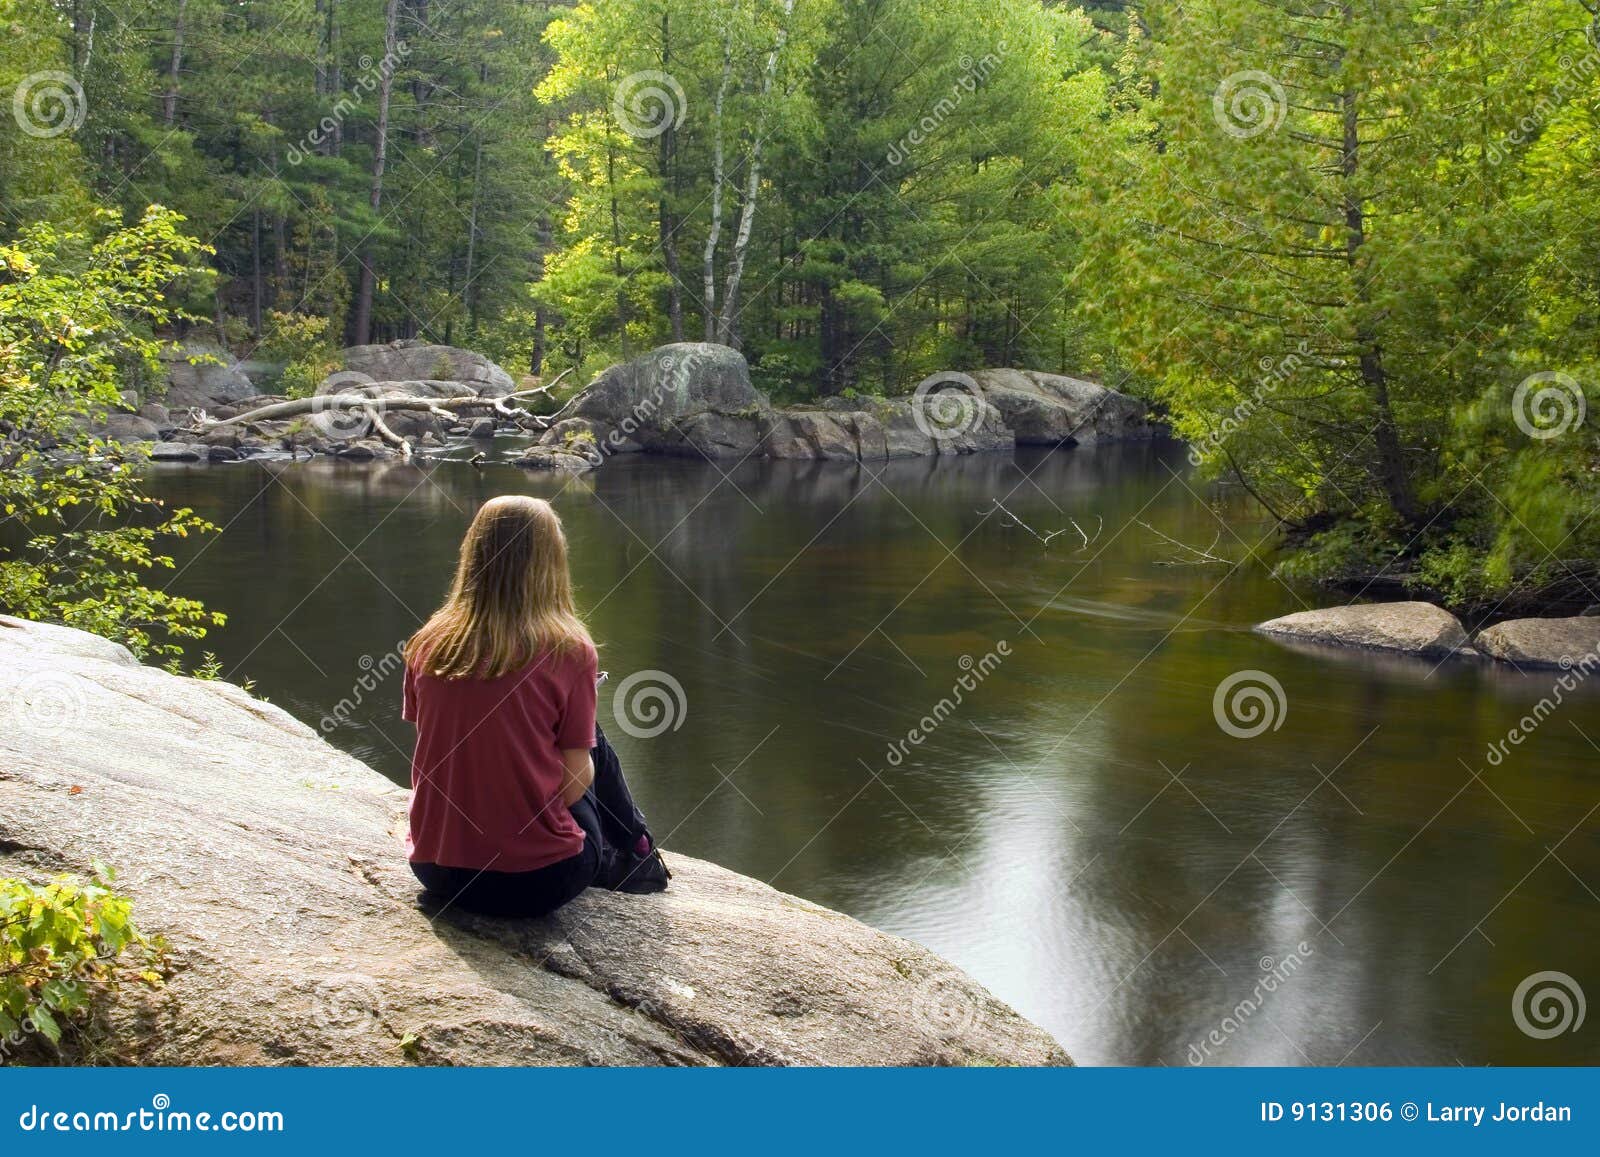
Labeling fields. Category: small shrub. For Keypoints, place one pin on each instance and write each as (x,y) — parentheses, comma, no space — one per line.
(303,343)
(63,946)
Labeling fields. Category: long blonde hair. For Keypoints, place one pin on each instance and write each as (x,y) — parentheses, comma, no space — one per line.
(511,600)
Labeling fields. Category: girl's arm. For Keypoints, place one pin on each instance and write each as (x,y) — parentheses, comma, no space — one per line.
(579,775)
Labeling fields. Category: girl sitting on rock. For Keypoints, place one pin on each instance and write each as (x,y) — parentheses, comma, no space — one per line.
(519,802)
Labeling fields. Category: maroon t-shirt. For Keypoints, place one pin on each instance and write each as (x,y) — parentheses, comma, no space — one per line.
(487,772)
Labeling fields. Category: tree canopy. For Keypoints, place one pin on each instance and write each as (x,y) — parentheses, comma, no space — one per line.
(1350,247)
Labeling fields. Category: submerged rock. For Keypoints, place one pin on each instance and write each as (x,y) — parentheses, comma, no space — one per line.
(274,865)
(1416,628)
(1565,643)
(555,458)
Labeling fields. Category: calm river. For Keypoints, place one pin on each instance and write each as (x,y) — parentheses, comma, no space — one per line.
(1079,832)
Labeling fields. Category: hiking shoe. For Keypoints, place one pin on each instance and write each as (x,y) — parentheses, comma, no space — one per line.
(639,875)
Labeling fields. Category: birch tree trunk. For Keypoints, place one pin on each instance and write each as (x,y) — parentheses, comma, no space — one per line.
(169,99)
(362,327)
(728,322)
(667,166)
(714,236)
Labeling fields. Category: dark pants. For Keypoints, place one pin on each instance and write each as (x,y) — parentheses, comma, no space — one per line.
(610,820)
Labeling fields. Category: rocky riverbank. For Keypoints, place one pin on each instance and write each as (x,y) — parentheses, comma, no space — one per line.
(194,414)
(1422,629)
(695,399)
(273,863)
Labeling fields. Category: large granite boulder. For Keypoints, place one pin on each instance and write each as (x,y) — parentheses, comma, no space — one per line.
(688,398)
(1544,642)
(668,385)
(274,865)
(413,361)
(121,427)
(1051,409)
(888,429)
(1415,628)
(203,376)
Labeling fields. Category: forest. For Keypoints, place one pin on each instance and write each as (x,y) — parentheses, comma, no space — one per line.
(1350,248)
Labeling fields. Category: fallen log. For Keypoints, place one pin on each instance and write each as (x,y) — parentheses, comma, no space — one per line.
(355,400)
(388,435)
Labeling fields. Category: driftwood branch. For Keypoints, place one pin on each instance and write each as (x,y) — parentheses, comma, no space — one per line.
(375,416)
(1191,555)
(353,400)
(999,508)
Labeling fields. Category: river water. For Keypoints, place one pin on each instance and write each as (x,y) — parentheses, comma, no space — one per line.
(1072,824)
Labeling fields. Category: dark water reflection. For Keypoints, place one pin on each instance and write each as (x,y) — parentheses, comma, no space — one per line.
(1079,833)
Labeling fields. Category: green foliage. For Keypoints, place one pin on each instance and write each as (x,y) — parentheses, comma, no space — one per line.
(902,220)
(1336,244)
(1329,243)
(63,945)
(78,312)
(306,348)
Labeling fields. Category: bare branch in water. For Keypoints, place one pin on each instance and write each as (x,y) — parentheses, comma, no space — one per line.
(1192,555)
(999,508)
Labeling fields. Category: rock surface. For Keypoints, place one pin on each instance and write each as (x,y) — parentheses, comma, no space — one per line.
(1543,642)
(273,863)
(697,399)
(412,360)
(1051,409)
(651,398)
(130,428)
(889,429)
(203,376)
(1416,628)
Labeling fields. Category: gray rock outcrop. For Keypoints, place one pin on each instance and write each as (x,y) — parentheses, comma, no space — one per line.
(1051,409)
(1543,642)
(273,863)
(413,361)
(121,427)
(697,399)
(889,429)
(1416,628)
(203,376)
